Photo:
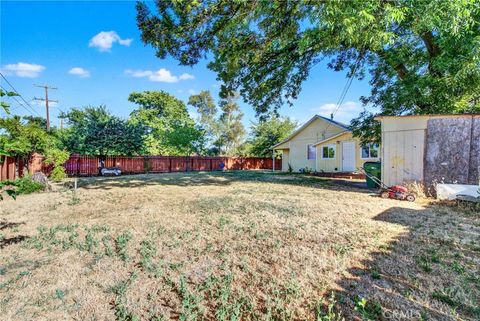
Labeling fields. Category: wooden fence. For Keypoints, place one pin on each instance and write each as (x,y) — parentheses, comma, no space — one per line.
(7,168)
(81,165)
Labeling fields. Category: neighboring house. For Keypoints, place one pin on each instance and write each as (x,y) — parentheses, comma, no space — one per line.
(324,145)
(430,148)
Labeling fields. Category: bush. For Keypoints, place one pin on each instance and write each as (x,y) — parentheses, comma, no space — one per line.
(25,185)
(57,157)
(58,174)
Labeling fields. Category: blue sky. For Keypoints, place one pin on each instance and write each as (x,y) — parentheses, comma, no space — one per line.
(93,53)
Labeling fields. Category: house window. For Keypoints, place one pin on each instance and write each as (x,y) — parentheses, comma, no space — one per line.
(328,152)
(311,152)
(370,151)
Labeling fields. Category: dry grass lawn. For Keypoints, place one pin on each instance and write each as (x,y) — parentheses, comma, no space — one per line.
(234,246)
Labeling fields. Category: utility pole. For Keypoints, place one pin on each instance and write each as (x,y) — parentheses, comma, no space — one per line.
(46,100)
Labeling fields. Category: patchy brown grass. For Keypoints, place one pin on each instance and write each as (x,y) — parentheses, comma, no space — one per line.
(234,246)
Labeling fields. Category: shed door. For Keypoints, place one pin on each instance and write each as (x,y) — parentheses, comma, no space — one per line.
(348,156)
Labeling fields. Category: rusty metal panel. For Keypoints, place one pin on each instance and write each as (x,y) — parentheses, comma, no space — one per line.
(447,157)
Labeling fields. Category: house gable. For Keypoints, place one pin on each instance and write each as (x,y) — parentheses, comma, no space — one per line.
(316,129)
(296,146)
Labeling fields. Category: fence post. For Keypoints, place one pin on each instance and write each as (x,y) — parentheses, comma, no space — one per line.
(169,164)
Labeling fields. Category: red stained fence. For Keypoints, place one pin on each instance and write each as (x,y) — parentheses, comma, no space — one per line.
(8,168)
(81,165)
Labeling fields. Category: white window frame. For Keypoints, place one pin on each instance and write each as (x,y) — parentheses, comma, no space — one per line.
(369,149)
(308,150)
(334,151)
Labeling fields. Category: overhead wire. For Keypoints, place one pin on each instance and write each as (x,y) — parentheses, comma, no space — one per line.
(20,104)
(19,95)
(344,92)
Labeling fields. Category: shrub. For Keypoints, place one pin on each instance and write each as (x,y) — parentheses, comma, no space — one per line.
(8,187)
(58,174)
(57,157)
(25,185)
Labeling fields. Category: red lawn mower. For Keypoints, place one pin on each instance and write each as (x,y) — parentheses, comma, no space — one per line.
(397,192)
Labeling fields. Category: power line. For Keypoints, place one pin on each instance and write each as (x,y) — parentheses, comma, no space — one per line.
(20,104)
(19,95)
(344,92)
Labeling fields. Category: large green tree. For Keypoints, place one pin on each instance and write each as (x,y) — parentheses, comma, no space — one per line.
(169,128)
(21,138)
(224,132)
(422,56)
(95,131)
(265,134)
(231,132)
(207,110)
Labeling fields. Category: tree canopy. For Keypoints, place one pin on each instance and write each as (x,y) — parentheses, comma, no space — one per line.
(266,134)
(224,132)
(169,128)
(422,57)
(207,109)
(95,131)
(21,138)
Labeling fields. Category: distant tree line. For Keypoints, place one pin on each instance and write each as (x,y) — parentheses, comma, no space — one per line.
(160,125)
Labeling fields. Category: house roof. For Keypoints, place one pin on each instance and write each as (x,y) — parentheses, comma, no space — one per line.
(331,137)
(333,122)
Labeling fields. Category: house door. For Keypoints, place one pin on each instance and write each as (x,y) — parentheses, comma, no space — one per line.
(348,156)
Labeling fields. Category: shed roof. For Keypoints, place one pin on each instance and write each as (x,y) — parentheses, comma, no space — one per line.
(380,117)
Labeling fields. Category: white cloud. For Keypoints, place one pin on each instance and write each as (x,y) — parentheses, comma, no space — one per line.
(345,113)
(192,91)
(23,69)
(78,71)
(161,75)
(186,76)
(104,40)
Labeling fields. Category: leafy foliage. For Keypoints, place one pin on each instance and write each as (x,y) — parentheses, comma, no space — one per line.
(3,104)
(224,133)
(207,109)
(8,187)
(22,139)
(423,57)
(95,131)
(231,130)
(57,158)
(265,134)
(169,128)
(26,185)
